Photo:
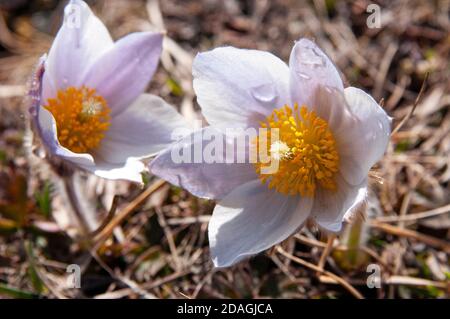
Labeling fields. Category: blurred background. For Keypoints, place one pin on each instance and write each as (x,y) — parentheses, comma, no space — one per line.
(159,247)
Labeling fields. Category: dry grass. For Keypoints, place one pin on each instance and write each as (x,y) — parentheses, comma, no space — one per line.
(153,244)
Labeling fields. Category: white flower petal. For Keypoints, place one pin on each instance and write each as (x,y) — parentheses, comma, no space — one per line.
(183,164)
(365,138)
(47,131)
(330,105)
(129,171)
(251,219)
(359,125)
(310,68)
(122,73)
(237,87)
(49,89)
(141,130)
(80,41)
(331,206)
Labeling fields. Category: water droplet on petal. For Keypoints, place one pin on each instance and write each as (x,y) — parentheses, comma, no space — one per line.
(304,75)
(264,93)
(328,89)
(310,56)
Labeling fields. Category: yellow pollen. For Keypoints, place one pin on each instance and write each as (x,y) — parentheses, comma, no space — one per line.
(81,116)
(305,150)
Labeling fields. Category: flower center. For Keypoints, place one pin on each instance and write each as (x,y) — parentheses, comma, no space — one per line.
(303,148)
(81,116)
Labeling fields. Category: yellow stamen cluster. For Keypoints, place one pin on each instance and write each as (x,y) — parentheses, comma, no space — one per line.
(81,116)
(305,151)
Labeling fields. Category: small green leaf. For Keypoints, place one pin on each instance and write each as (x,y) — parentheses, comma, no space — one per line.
(44,200)
(36,281)
(16,293)
(145,178)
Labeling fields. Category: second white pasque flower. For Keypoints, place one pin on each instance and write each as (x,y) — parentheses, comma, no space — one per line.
(91,108)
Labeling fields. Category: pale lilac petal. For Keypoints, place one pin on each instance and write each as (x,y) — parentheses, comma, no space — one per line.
(239,88)
(47,129)
(35,90)
(329,104)
(184,164)
(366,136)
(130,170)
(49,89)
(252,219)
(359,125)
(80,41)
(121,74)
(141,130)
(310,68)
(331,206)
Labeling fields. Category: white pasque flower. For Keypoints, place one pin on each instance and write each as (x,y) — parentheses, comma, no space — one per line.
(329,138)
(91,108)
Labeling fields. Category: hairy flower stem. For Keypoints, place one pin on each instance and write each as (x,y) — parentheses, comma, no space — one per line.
(354,240)
(71,192)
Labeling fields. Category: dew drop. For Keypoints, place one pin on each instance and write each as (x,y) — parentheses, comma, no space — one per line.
(264,93)
(380,125)
(311,57)
(304,75)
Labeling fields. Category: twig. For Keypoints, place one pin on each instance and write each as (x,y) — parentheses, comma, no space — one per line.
(309,265)
(326,252)
(8,91)
(200,285)
(384,68)
(134,287)
(309,241)
(405,280)
(413,217)
(150,285)
(173,247)
(321,245)
(189,220)
(410,113)
(432,241)
(108,229)
(109,217)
